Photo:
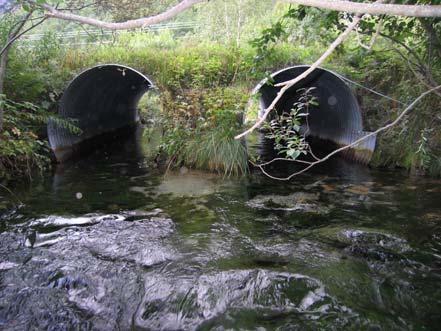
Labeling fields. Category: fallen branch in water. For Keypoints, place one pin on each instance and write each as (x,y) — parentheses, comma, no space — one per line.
(341,149)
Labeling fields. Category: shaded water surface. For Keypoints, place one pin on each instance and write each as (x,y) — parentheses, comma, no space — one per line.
(108,243)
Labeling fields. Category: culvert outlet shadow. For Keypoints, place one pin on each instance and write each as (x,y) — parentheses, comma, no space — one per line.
(102,101)
(336,121)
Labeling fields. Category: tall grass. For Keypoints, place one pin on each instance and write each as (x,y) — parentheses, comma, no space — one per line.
(217,151)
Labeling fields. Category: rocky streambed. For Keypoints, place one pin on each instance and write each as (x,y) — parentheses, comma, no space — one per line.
(135,250)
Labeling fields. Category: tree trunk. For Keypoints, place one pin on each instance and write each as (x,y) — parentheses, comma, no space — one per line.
(13,35)
(3,64)
(432,36)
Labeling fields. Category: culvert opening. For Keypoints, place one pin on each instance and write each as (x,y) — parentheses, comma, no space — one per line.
(103,103)
(337,119)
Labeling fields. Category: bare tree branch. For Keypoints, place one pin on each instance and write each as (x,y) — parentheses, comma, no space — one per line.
(15,29)
(286,85)
(423,78)
(347,6)
(52,12)
(18,35)
(373,8)
(327,157)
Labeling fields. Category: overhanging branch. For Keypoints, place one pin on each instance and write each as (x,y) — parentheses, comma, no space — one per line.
(285,86)
(52,12)
(341,149)
(373,8)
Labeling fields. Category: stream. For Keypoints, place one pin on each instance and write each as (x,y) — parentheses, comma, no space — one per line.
(110,243)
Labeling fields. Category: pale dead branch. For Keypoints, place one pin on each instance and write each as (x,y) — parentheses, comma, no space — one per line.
(288,84)
(373,8)
(52,12)
(341,149)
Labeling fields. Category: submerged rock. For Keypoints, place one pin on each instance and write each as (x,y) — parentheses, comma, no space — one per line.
(6,265)
(188,183)
(366,243)
(299,201)
(372,238)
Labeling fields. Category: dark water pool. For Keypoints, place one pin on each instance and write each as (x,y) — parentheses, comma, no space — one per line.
(109,243)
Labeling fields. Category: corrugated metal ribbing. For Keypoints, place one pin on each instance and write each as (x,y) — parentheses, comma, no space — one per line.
(337,117)
(101,99)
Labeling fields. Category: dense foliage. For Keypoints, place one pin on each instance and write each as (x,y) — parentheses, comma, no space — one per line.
(205,73)
(22,144)
(286,128)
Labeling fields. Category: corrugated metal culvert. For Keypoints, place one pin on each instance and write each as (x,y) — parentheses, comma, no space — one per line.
(102,99)
(338,116)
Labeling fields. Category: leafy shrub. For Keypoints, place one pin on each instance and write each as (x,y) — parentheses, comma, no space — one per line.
(199,131)
(22,146)
(286,129)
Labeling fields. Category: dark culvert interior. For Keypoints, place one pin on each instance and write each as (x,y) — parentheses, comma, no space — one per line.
(103,103)
(335,122)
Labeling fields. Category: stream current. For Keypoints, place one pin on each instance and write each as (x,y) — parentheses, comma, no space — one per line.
(110,243)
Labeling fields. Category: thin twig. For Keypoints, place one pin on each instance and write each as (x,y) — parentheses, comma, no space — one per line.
(288,84)
(381,129)
(10,41)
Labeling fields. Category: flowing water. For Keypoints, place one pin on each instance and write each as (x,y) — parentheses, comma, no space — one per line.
(110,243)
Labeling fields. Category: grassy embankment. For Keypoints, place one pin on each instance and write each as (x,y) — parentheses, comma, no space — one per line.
(205,87)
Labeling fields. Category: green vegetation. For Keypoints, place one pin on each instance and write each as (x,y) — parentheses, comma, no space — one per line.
(204,89)
(200,128)
(205,75)
(22,149)
(285,128)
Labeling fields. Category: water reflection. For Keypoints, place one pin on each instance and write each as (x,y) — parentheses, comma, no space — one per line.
(333,249)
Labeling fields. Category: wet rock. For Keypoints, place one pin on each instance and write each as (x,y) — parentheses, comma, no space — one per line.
(366,243)
(67,282)
(140,214)
(6,265)
(376,239)
(34,239)
(32,308)
(137,242)
(297,252)
(432,217)
(317,183)
(89,279)
(328,188)
(31,238)
(299,201)
(188,302)
(59,221)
